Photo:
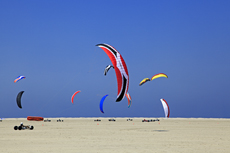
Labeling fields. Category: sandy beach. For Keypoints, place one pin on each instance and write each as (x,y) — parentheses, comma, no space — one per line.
(86,135)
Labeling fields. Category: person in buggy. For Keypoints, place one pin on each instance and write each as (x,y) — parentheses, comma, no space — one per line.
(26,126)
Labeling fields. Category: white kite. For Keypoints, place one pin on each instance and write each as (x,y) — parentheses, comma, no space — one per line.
(166,108)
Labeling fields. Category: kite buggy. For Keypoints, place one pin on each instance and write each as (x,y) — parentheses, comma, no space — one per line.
(144,120)
(47,120)
(23,127)
(112,119)
(59,120)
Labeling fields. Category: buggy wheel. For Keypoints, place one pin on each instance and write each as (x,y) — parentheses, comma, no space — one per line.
(15,127)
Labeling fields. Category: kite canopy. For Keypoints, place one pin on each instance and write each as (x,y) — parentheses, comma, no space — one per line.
(158,76)
(102,102)
(129,99)
(120,69)
(107,69)
(74,95)
(34,118)
(19,78)
(166,107)
(144,81)
(18,99)
(153,77)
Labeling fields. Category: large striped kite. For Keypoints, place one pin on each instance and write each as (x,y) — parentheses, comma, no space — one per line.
(120,69)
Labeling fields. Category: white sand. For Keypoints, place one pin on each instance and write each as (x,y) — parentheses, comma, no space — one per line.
(80,135)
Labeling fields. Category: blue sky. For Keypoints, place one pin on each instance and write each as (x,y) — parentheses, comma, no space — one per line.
(52,43)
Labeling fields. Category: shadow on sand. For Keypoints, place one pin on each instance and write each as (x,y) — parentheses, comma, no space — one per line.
(160,130)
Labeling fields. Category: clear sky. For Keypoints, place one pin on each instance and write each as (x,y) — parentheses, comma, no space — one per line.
(52,43)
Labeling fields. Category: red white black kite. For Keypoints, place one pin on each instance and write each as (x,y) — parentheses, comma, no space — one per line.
(120,69)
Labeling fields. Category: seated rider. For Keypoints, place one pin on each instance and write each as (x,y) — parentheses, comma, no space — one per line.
(24,125)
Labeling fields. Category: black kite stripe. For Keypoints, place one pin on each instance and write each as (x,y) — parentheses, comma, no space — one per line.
(111,49)
(122,94)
